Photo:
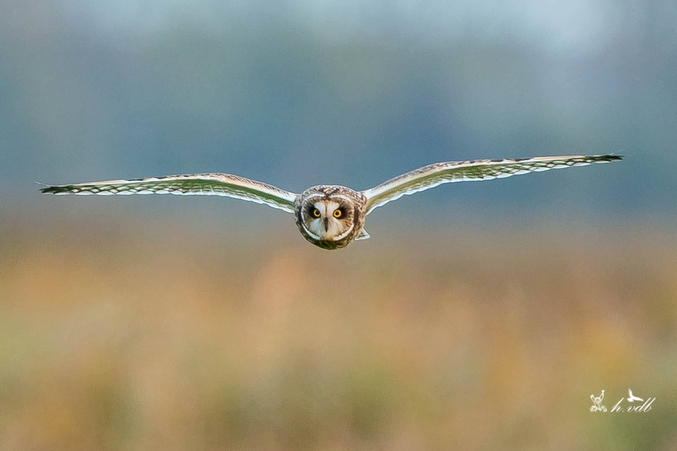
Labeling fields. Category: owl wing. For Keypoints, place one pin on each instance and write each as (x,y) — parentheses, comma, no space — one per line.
(188,185)
(460,171)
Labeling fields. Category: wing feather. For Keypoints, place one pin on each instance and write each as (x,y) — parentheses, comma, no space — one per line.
(187,185)
(461,171)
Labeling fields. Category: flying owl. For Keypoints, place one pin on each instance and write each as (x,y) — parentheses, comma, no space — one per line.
(330,216)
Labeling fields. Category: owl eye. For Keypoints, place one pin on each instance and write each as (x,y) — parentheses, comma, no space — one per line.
(338,213)
(316,213)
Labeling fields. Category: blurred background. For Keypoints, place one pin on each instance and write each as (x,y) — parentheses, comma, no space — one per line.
(478,316)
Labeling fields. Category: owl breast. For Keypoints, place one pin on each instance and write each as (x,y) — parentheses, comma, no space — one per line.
(330,216)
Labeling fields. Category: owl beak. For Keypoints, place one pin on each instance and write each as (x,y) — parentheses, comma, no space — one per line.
(326,224)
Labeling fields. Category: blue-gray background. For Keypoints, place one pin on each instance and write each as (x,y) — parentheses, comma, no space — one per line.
(304,92)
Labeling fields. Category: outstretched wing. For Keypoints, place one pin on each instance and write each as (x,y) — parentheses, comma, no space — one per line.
(460,171)
(188,185)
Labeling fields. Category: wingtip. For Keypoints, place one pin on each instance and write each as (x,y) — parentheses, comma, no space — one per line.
(47,189)
(606,158)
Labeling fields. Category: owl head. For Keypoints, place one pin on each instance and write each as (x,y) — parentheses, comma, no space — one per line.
(330,216)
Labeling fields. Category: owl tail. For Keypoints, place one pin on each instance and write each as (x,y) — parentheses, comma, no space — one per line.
(363,235)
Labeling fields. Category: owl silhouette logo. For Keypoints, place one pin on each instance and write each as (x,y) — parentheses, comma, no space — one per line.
(597,403)
(633,398)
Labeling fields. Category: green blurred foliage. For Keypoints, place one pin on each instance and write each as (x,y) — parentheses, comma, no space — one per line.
(119,338)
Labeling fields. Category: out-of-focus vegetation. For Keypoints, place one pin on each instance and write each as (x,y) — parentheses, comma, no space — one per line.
(116,336)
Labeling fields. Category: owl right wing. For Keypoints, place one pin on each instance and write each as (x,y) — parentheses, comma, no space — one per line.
(460,171)
(188,185)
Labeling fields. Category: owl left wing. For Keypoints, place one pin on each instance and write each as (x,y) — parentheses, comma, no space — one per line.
(188,185)
(460,171)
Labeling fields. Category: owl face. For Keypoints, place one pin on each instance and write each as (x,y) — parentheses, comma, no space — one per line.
(328,219)
(330,216)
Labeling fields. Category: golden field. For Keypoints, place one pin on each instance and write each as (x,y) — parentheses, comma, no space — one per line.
(137,337)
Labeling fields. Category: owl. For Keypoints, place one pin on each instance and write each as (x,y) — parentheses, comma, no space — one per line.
(330,216)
